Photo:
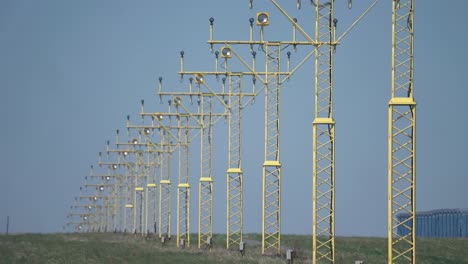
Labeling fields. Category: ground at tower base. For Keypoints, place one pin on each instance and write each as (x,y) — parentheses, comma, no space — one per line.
(128,248)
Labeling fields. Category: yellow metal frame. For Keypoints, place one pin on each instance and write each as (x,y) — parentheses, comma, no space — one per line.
(323,172)
(205,203)
(271,176)
(234,179)
(402,138)
(183,188)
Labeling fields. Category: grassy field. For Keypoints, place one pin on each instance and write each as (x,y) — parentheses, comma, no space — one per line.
(126,248)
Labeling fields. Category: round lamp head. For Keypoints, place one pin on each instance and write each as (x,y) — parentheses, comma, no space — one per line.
(177,100)
(263,19)
(226,52)
(134,141)
(199,78)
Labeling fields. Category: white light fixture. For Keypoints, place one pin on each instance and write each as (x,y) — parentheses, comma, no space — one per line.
(199,78)
(263,19)
(226,52)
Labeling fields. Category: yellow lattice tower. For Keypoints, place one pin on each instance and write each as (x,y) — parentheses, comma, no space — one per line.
(324,138)
(133,161)
(205,188)
(234,180)
(204,119)
(323,176)
(233,107)
(181,136)
(114,162)
(402,138)
(271,202)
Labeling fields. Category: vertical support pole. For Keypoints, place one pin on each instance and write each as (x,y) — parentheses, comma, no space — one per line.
(323,178)
(271,176)
(8,225)
(234,177)
(183,188)
(402,138)
(165,189)
(205,205)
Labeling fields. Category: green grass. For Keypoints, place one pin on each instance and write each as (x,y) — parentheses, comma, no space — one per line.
(126,248)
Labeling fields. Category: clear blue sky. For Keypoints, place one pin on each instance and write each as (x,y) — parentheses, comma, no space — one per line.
(70,71)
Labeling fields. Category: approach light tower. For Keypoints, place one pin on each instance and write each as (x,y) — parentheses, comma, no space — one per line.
(402,137)
(271,81)
(232,101)
(324,44)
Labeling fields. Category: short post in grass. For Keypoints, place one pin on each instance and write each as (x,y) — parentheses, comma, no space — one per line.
(290,256)
(242,248)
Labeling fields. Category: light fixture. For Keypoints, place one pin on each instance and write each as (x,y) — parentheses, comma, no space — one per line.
(85,217)
(101,188)
(107,178)
(95,198)
(134,141)
(226,52)
(114,166)
(90,207)
(263,19)
(177,100)
(125,153)
(199,78)
(146,131)
(350,4)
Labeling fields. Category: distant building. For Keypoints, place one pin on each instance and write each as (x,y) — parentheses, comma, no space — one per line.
(451,223)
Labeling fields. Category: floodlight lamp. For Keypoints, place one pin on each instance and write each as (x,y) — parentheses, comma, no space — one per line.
(335,21)
(350,4)
(211,20)
(288,54)
(199,78)
(226,52)
(80,227)
(134,141)
(107,178)
(160,117)
(177,100)
(216,55)
(125,153)
(101,188)
(146,131)
(160,79)
(95,198)
(182,54)
(85,217)
(263,19)
(90,207)
(251,20)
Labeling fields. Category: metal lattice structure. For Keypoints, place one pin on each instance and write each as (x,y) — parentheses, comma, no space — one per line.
(205,190)
(234,213)
(183,187)
(271,179)
(402,137)
(165,187)
(323,216)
